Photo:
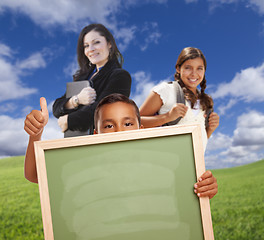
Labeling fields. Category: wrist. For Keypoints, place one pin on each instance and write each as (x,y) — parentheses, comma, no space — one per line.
(36,137)
(75,101)
(168,117)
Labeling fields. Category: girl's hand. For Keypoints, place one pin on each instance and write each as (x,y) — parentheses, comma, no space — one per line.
(87,96)
(179,110)
(213,122)
(206,186)
(36,120)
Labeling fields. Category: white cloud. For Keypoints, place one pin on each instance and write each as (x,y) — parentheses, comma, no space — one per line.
(247,85)
(191,1)
(252,119)
(52,130)
(5,50)
(11,86)
(250,130)
(36,60)
(14,139)
(144,84)
(137,2)
(223,108)
(233,156)
(8,107)
(223,1)
(245,146)
(257,5)
(239,155)
(213,4)
(50,106)
(26,110)
(218,141)
(124,36)
(71,68)
(71,14)
(53,13)
(10,73)
(150,29)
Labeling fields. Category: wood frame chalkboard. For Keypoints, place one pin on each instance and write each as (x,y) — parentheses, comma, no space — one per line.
(146,177)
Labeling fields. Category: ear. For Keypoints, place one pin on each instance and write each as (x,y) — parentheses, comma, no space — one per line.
(178,69)
(109,45)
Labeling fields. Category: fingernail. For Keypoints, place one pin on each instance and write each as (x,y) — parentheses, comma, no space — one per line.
(195,190)
(198,194)
(195,186)
(200,179)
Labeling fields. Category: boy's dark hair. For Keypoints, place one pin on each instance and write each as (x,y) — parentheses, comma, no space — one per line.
(113,98)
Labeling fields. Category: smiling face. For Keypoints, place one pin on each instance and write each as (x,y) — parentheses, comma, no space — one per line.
(96,48)
(115,117)
(192,73)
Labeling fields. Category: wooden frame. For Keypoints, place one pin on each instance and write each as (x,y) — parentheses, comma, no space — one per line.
(41,147)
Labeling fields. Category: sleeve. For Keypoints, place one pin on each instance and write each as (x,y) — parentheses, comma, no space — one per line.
(162,90)
(58,108)
(82,118)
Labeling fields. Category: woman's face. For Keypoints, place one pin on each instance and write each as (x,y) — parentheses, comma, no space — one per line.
(192,73)
(96,48)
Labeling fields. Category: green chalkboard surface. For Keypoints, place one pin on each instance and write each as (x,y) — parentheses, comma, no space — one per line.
(139,188)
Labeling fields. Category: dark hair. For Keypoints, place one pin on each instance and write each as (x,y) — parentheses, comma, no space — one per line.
(84,63)
(205,100)
(113,98)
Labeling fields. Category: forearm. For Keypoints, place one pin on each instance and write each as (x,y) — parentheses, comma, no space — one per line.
(30,170)
(70,104)
(59,108)
(209,132)
(154,121)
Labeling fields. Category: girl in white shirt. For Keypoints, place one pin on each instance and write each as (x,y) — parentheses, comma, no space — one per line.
(190,73)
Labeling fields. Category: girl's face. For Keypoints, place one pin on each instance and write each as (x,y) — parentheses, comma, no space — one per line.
(96,48)
(192,73)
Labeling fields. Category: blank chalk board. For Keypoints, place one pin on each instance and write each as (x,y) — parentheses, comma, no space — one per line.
(125,185)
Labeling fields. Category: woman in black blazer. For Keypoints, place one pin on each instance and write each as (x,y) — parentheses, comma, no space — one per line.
(100,63)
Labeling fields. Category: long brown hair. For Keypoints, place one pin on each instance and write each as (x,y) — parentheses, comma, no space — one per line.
(205,100)
(85,65)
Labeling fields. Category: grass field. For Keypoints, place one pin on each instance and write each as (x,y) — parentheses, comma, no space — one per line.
(237,210)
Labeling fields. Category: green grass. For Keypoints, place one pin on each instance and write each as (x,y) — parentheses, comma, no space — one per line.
(237,209)
(20,212)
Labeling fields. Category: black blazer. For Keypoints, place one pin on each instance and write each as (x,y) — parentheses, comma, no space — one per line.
(110,79)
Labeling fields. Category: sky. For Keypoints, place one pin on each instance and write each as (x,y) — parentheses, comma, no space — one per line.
(38,56)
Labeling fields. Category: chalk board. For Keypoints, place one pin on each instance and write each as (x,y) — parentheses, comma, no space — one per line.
(125,185)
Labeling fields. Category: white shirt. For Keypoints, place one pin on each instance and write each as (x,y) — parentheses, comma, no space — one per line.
(167,94)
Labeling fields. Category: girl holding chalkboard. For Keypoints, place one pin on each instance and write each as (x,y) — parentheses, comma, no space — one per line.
(164,107)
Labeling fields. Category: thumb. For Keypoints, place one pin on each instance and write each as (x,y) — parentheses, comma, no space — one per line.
(44,109)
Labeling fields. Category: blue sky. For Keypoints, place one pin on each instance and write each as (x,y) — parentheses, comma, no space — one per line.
(38,56)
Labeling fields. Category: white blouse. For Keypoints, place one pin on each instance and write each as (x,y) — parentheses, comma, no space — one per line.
(167,94)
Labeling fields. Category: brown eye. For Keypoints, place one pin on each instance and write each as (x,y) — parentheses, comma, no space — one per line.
(108,126)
